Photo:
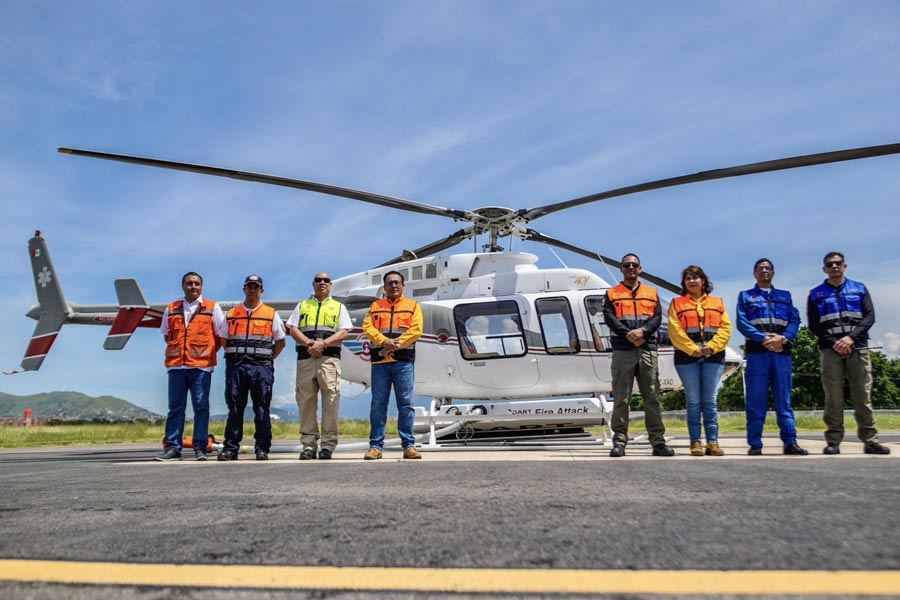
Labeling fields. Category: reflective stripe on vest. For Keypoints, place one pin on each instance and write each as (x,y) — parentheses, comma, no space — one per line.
(840,309)
(634,309)
(250,336)
(193,345)
(699,331)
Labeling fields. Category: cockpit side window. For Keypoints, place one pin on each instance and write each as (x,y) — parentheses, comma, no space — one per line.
(599,330)
(557,326)
(489,330)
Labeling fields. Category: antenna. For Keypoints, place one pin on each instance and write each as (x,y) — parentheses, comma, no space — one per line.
(553,252)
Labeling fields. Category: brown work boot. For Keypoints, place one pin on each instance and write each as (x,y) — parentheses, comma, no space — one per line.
(697,448)
(373,454)
(411,453)
(712,449)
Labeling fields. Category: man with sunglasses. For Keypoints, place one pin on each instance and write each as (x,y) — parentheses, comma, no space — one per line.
(840,314)
(319,324)
(632,313)
(767,318)
(393,325)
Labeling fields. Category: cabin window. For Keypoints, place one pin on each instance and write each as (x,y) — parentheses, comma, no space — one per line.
(489,330)
(599,330)
(557,326)
(430,270)
(416,273)
(376,279)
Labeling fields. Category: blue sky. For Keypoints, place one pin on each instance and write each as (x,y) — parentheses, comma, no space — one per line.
(460,104)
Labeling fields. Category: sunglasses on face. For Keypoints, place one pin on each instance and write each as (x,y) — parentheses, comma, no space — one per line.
(387,283)
(631,265)
(322,280)
(764,268)
(834,263)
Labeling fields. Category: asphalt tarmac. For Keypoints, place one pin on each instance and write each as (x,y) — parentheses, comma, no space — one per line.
(552,509)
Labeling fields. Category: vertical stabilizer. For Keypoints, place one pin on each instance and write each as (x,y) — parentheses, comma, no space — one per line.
(52,309)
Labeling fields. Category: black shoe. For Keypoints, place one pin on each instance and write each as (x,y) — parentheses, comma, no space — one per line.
(227,455)
(617,450)
(876,448)
(662,450)
(308,454)
(171,454)
(324,454)
(795,450)
(756,451)
(832,449)
(262,455)
(200,454)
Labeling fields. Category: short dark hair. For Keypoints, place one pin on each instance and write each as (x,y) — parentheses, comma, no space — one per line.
(762,260)
(624,256)
(695,270)
(188,274)
(832,253)
(398,273)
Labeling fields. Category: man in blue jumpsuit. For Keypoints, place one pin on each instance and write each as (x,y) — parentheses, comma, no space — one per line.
(767,318)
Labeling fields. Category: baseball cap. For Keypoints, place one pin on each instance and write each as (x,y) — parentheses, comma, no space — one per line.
(254,279)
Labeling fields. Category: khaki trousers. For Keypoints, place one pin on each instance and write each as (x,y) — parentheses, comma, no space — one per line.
(857,368)
(315,376)
(643,365)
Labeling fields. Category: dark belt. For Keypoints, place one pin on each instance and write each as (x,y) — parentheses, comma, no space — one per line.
(332,351)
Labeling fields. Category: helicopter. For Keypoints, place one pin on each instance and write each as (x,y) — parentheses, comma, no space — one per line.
(526,345)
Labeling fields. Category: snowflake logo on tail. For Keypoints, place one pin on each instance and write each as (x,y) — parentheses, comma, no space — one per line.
(44,277)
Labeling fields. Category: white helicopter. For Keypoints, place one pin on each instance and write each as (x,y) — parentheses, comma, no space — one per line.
(526,345)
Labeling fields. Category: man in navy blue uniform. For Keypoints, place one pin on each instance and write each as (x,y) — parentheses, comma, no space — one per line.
(840,314)
(767,318)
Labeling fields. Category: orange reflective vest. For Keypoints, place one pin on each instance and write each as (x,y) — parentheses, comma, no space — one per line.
(634,309)
(250,336)
(400,319)
(700,331)
(192,345)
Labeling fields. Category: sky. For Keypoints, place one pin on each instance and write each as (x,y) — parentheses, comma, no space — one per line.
(460,104)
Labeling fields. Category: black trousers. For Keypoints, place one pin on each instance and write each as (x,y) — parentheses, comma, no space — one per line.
(257,381)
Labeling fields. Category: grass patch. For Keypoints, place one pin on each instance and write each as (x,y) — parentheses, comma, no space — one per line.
(133,433)
(144,433)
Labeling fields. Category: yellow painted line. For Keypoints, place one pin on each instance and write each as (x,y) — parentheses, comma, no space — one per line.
(548,581)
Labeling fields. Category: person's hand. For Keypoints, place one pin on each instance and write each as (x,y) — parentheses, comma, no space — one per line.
(316,349)
(706,351)
(697,353)
(844,345)
(774,342)
(635,335)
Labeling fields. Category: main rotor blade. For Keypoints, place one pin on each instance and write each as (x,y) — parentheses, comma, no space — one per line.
(432,248)
(311,186)
(749,169)
(537,236)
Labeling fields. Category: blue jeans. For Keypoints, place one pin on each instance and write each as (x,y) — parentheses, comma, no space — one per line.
(701,380)
(180,382)
(764,368)
(401,375)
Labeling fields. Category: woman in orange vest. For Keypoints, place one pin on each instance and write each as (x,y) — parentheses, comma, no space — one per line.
(700,329)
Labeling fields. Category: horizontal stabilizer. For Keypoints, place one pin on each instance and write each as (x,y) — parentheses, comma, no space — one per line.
(127,320)
(132,308)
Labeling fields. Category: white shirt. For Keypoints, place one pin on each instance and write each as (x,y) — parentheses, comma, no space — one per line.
(278,332)
(190,309)
(344,321)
